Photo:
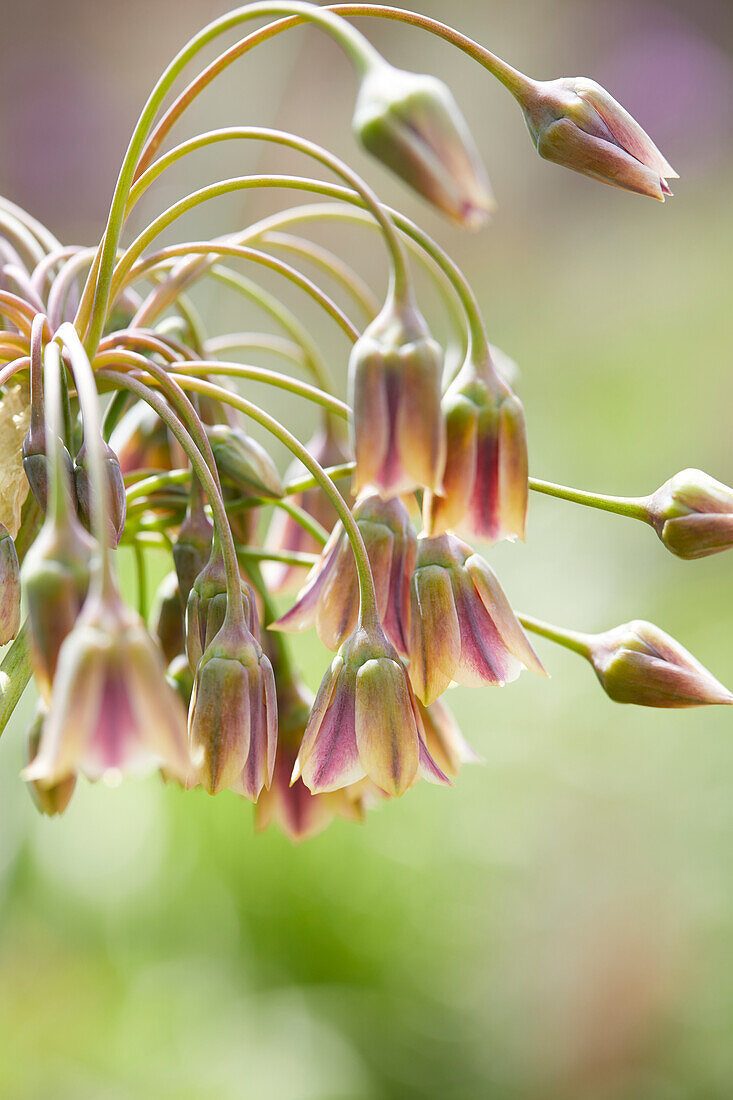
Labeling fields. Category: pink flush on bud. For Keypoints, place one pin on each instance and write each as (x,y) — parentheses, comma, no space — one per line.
(693,514)
(576,123)
(330,599)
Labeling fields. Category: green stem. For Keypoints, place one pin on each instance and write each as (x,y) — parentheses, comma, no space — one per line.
(633,507)
(142,579)
(570,639)
(15,673)
(332,265)
(286,557)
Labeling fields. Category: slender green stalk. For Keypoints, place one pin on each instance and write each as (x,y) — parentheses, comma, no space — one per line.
(570,639)
(633,507)
(15,673)
(286,557)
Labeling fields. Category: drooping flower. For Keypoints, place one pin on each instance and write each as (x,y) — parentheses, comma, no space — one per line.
(244,461)
(411,123)
(444,740)
(576,123)
(365,723)
(117,498)
(111,710)
(207,606)
(330,597)
(463,629)
(693,514)
(485,484)
(395,371)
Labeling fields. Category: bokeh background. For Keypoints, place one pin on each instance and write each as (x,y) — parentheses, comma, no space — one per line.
(561,923)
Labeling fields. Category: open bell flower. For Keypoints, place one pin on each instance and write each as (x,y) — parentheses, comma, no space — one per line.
(365,723)
(463,629)
(411,123)
(112,712)
(485,483)
(330,598)
(693,514)
(285,533)
(9,587)
(395,371)
(233,714)
(576,123)
(444,740)
(638,663)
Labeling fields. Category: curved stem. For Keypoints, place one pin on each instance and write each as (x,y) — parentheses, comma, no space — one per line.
(633,507)
(570,639)
(332,265)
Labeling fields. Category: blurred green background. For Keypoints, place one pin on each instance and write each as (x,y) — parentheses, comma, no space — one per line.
(561,923)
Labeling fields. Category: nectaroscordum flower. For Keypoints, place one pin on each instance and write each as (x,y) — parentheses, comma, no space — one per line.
(330,598)
(116,490)
(445,742)
(395,373)
(463,629)
(485,484)
(693,514)
(111,710)
(576,123)
(365,723)
(412,124)
(206,606)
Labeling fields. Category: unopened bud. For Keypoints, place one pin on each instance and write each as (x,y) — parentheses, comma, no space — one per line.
(638,663)
(693,514)
(35,465)
(411,123)
(166,618)
(207,606)
(116,497)
(191,549)
(244,461)
(9,588)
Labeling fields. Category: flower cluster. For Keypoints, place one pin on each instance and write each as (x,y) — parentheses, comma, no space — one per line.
(124,424)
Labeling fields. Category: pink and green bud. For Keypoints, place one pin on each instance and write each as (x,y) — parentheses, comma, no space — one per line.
(365,723)
(166,618)
(330,599)
(444,740)
(9,587)
(463,629)
(485,484)
(693,514)
(116,497)
(232,719)
(207,606)
(36,465)
(285,533)
(576,123)
(638,663)
(53,800)
(192,548)
(398,433)
(112,712)
(243,461)
(411,123)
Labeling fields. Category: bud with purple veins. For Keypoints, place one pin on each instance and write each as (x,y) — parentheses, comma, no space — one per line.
(330,599)
(207,604)
(9,587)
(116,490)
(398,432)
(693,514)
(463,629)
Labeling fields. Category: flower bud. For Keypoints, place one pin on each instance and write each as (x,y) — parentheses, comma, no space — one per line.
(51,800)
(638,663)
(207,605)
(485,484)
(365,723)
(330,598)
(463,629)
(444,740)
(141,441)
(394,390)
(287,534)
(166,618)
(411,123)
(233,714)
(9,588)
(693,514)
(576,123)
(36,466)
(117,498)
(244,461)
(192,548)
(112,712)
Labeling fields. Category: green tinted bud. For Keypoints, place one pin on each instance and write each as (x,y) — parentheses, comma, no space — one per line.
(117,498)
(51,800)
(242,460)
(191,549)
(166,618)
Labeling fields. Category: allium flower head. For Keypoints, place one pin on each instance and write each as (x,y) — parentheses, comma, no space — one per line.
(111,710)
(9,587)
(693,514)
(463,629)
(576,123)
(233,714)
(638,663)
(330,598)
(412,124)
(485,484)
(395,373)
(365,723)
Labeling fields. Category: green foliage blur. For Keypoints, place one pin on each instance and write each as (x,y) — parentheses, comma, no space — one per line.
(560,924)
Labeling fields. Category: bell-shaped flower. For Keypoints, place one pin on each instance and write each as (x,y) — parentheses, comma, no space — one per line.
(243,461)
(693,514)
(291,806)
(444,740)
(576,123)
(9,587)
(52,800)
(365,723)
(117,498)
(398,433)
(485,484)
(285,533)
(463,629)
(206,607)
(112,712)
(638,663)
(232,718)
(330,598)
(411,123)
